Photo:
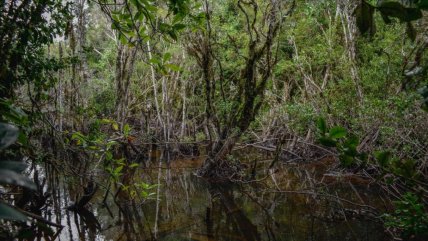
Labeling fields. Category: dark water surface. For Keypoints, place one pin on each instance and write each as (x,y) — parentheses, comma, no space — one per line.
(185,207)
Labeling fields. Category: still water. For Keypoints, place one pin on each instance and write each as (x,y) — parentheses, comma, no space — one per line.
(279,205)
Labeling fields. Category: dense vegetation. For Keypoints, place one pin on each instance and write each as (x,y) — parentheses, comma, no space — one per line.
(87,86)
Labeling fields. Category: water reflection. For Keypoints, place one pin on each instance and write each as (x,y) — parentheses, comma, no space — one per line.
(185,207)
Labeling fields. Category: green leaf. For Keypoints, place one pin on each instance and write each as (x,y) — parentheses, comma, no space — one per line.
(22,138)
(352,142)
(150,7)
(122,38)
(365,18)
(109,156)
(155,60)
(398,10)
(134,165)
(8,135)
(410,31)
(173,67)
(167,57)
(179,26)
(15,166)
(351,151)
(383,157)
(126,130)
(106,121)
(136,3)
(346,160)
(337,132)
(9,213)
(423,4)
(327,142)
(322,125)
(173,34)
(13,114)
(13,178)
(424,93)
(118,169)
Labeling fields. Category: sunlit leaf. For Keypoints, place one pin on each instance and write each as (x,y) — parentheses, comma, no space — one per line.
(155,60)
(167,57)
(134,165)
(126,130)
(173,67)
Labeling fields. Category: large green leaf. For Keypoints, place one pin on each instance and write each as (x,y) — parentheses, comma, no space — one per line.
(365,18)
(422,4)
(13,166)
(398,10)
(424,93)
(8,135)
(13,178)
(9,213)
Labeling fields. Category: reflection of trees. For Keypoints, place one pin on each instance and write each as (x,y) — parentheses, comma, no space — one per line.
(88,222)
(240,223)
(129,212)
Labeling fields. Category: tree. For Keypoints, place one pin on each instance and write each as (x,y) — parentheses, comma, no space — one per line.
(257,57)
(26,28)
(407,12)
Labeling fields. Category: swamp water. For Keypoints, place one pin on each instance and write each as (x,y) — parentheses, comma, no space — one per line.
(280,205)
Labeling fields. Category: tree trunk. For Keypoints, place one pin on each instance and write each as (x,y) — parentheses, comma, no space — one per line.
(125,60)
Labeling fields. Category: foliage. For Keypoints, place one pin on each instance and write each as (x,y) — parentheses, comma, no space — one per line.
(349,155)
(25,30)
(409,217)
(404,10)
(132,18)
(424,93)
(101,147)
(10,172)
(345,144)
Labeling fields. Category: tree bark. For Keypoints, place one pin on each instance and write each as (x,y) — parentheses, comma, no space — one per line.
(125,61)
